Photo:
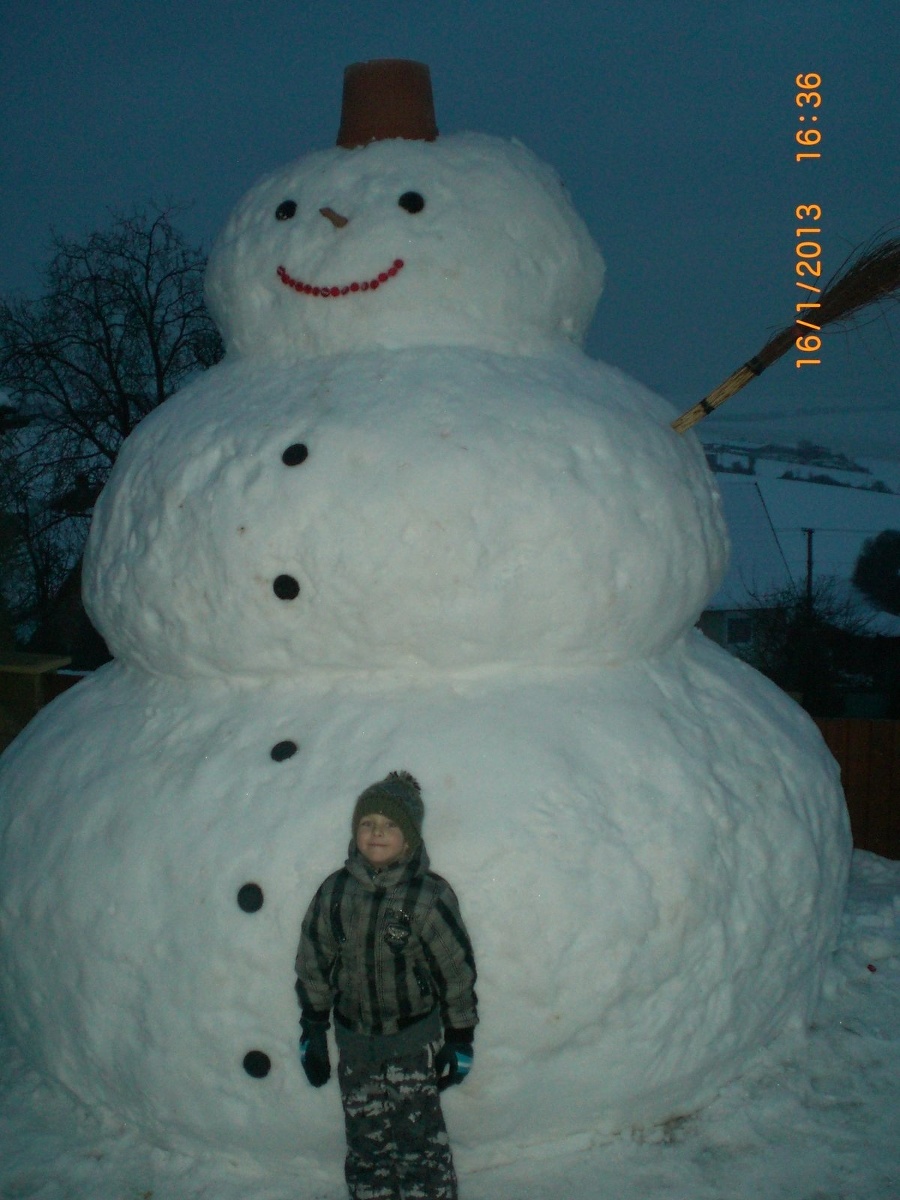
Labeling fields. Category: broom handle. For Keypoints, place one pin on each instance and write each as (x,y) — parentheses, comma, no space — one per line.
(772,350)
(723,392)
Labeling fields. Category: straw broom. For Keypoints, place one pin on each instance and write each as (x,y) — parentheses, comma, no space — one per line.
(866,277)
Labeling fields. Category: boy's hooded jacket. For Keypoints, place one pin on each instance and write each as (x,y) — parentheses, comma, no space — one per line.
(385,948)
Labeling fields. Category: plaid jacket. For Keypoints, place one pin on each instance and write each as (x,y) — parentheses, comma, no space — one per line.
(383,949)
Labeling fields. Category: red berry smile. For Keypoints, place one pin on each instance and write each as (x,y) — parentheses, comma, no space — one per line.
(327,293)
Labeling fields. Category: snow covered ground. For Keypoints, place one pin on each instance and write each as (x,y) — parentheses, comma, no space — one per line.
(812,1120)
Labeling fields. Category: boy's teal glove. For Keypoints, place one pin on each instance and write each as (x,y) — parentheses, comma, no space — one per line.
(314,1051)
(453,1061)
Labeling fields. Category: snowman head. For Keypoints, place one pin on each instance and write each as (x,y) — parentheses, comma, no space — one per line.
(402,241)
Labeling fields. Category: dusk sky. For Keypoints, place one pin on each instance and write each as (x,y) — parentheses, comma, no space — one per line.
(672,124)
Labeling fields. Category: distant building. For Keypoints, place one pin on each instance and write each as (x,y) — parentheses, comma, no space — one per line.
(768,517)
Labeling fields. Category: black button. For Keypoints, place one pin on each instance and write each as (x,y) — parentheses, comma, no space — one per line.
(286,587)
(295,455)
(250,898)
(282,750)
(413,202)
(257,1064)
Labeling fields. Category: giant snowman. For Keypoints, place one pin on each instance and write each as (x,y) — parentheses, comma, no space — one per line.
(407,524)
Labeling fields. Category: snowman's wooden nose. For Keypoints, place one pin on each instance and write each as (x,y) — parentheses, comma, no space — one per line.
(335,218)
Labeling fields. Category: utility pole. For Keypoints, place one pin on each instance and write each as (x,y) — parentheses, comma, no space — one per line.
(807,650)
(809,570)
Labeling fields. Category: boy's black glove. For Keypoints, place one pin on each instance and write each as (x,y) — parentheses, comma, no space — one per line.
(453,1061)
(314,1051)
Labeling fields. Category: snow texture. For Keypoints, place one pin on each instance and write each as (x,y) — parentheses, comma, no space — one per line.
(482,567)
(814,1117)
(457,508)
(650,860)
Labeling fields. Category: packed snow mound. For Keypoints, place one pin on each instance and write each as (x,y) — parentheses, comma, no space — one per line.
(493,254)
(442,508)
(643,921)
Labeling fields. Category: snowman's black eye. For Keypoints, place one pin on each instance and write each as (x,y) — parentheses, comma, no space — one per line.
(285,210)
(413,202)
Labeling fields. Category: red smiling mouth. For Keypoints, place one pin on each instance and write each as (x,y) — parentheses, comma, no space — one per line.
(327,293)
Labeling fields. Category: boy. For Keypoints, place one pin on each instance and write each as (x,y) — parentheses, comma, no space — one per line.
(383,947)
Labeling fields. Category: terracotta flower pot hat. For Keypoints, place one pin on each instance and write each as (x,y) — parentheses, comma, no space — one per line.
(386,98)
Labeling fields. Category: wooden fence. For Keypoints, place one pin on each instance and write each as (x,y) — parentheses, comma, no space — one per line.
(869,756)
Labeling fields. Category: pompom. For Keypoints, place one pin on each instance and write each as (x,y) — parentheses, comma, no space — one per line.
(405,777)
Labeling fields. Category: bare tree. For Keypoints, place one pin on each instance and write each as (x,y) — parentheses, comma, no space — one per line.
(812,642)
(120,327)
(877,571)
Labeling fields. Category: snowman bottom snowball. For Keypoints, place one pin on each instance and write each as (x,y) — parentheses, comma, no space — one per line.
(649,904)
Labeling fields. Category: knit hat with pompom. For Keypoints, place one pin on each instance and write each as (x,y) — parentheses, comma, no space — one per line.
(397,797)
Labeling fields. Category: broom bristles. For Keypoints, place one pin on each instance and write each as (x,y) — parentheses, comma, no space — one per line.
(870,275)
(873,276)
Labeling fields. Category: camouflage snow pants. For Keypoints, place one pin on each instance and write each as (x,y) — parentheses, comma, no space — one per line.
(397,1144)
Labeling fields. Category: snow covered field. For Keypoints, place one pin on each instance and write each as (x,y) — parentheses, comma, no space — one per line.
(813,1121)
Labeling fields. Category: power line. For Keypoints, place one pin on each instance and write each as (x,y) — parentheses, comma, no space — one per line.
(762,501)
(828,529)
